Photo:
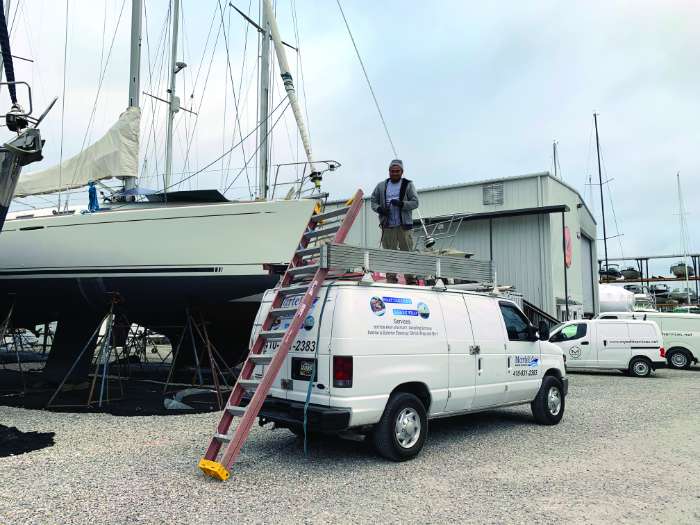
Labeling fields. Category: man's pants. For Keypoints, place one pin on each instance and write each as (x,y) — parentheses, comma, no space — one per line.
(398,239)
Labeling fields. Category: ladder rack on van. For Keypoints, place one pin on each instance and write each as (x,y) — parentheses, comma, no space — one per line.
(342,257)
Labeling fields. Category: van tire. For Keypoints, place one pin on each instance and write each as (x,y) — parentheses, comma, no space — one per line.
(640,367)
(406,408)
(548,406)
(678,358)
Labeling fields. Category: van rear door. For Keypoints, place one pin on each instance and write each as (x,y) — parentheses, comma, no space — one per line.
(612,342)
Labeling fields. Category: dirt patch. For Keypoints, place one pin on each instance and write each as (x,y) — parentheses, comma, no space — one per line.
(14,442)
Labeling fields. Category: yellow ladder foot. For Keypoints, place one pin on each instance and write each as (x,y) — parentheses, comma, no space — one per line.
(213,469)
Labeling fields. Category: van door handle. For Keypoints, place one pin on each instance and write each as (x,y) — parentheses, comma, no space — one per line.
(508,362)
(474,349)
(605,342)
(478,361)
(584,342)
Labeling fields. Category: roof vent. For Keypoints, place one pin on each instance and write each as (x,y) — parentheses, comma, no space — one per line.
(493,193)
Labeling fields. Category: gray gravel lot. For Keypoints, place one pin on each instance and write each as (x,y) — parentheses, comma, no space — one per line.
(627,450)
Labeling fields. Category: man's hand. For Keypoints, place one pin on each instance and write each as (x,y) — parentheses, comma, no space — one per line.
(397,203)
(381,211)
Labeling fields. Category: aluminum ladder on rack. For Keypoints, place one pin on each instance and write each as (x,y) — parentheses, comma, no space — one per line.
(333,225)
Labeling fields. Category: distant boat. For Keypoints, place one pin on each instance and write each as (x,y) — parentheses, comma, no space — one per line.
(660,290)
(684,294)
(630,273)
(679,270)
(610,272)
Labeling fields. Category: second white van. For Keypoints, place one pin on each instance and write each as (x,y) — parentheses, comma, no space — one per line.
(633,347)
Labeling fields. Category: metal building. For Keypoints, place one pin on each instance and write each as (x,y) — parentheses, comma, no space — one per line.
(536,229)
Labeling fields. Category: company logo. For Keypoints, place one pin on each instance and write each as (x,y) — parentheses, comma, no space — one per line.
(376,304)
(527,360)
(309,322)
(575,352)
(533,362)
(404,311)
(423,310)
(397,300)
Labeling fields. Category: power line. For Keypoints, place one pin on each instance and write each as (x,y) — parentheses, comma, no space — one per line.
(369,84)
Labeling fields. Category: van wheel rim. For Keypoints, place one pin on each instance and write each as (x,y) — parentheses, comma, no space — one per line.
(407,428)
(679,359)
(554,400)
(641,368)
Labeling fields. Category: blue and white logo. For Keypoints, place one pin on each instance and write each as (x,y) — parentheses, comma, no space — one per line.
(533,362)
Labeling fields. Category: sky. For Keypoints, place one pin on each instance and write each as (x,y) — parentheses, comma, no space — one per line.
(469,91)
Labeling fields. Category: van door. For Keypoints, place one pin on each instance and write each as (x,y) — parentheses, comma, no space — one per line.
(490,342)
(523,358)
(612,342)
(461,359)
(575,341)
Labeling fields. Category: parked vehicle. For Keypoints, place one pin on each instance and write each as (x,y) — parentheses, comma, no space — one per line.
(681,334)
(384,359)
(686,310)
(634,347)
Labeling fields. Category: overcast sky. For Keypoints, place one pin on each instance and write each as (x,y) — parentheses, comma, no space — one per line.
(470,90)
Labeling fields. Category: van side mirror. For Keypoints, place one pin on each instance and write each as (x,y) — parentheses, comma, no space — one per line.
(544,331)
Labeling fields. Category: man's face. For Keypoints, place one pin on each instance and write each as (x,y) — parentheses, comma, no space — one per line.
(395,173)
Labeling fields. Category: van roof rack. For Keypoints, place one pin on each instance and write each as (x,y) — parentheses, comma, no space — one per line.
(345,258)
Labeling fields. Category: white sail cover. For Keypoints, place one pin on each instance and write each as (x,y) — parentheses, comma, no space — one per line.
(114,155)
(615,299)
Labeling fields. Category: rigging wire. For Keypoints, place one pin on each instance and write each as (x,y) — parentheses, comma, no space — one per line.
(224,154)
(369,84)
(63,108)
(274,124)
(612,204)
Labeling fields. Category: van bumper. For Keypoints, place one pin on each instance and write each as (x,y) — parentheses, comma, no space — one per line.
(286,413)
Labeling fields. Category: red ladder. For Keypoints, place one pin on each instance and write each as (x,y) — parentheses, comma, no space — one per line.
(305,262)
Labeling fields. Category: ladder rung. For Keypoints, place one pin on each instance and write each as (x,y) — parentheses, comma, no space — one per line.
(296,289)
(308,251)
(271,335)
(222,437)
(330,214)
(283,312)
(302,270)
(235,410)
(260,359)
(248,384)
(322,232)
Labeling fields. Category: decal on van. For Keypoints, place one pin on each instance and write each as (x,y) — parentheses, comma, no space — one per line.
(397,300)
(376,304)
(526,360)
(575,352)
(423,310)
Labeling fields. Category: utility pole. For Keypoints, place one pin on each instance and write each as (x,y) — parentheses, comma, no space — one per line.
(600,181)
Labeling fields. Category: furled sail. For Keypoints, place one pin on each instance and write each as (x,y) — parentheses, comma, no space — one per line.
(114,155)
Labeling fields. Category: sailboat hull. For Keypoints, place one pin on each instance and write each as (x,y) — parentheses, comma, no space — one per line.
(155,262)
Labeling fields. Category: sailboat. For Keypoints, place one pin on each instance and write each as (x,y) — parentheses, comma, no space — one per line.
(174,253)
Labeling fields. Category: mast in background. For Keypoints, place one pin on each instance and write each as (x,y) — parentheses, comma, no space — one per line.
(263,105)
(600,181)
(173,101)
(684,235)
(130,183)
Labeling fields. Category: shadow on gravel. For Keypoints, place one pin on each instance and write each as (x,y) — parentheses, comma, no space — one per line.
(14,442)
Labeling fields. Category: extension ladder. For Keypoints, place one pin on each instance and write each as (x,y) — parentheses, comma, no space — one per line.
(333,225)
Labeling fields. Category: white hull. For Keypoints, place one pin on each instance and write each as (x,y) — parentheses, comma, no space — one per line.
(233,239)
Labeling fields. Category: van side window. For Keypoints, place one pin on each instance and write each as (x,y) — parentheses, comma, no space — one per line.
(517,324)
(608,317)
(570,333)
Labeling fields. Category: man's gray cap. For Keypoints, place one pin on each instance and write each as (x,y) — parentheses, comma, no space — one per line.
(396,162)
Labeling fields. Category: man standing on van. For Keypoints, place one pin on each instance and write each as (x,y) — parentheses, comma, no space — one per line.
(394,200)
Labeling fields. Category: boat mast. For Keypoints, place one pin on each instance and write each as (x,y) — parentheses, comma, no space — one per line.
(684,247)
(134,70)
(263,105)
(173,101)
(286,75)
(600,182)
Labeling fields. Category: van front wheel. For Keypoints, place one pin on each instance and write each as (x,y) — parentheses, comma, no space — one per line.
(640,367)
(548,406)
(401,432)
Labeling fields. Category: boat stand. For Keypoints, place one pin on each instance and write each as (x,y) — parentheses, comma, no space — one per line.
(196,330)
(106,346)
(7,328)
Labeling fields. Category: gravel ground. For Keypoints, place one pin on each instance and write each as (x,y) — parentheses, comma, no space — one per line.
(627,450)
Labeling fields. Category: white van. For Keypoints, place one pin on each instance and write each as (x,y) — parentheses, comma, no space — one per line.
(634,347)
(387,358)
(681,333)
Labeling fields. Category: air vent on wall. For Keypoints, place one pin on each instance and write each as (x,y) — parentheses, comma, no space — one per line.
(493,193)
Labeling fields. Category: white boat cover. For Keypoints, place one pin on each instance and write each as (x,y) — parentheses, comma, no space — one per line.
(615,299)
(114,155)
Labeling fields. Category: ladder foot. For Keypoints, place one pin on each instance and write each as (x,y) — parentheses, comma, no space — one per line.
(213,469)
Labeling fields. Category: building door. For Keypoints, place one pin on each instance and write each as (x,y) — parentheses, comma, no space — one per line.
(587,273)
